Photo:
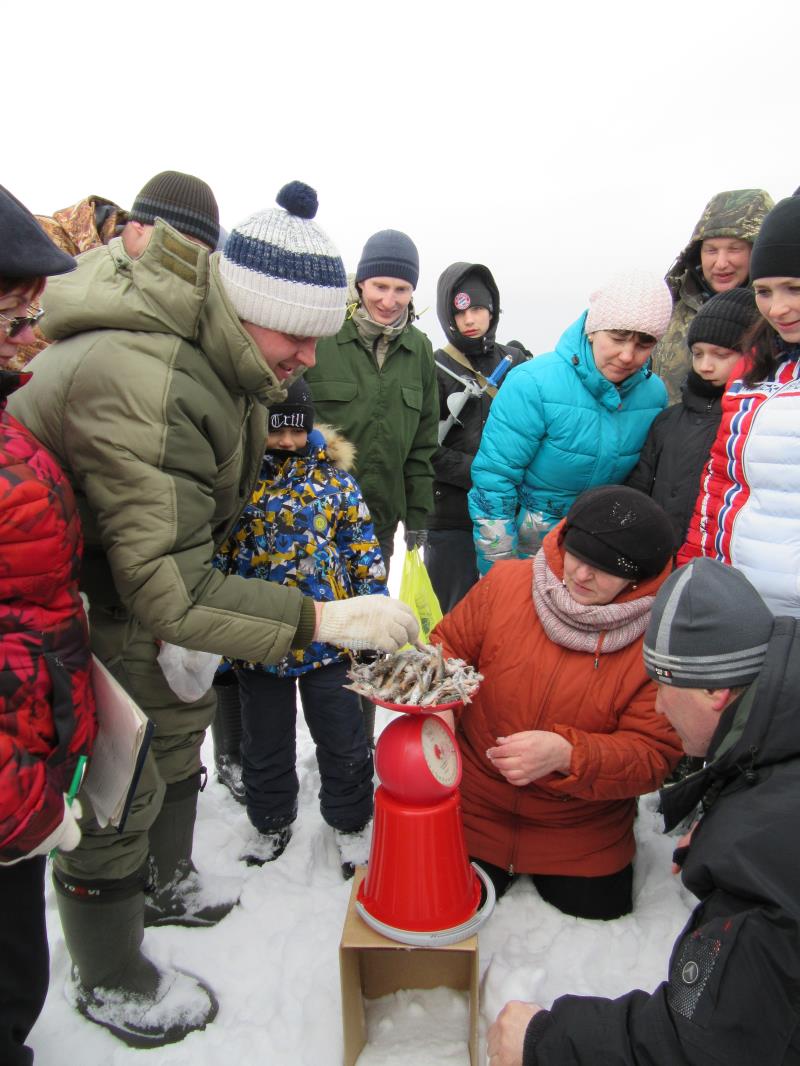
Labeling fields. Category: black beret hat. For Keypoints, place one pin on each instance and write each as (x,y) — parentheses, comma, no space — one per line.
(619,530)
(25,249)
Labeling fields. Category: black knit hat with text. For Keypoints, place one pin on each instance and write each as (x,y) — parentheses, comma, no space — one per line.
(776,252)
(182,200)
(709,628)
(724,319)
(620,531)
(296,411)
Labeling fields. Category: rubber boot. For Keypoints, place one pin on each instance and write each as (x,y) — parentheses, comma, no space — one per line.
(176,894)
(112,983)
(226,730)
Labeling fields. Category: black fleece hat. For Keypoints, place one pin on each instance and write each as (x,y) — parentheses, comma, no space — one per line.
(709,628)
(297,410)
(776,252)
(25,249)
(472,291)
(724,319)
(620,531)
(182,200)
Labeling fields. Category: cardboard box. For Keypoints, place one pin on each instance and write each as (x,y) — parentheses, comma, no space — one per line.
(372,966)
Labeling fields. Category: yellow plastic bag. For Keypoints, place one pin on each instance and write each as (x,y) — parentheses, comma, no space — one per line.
(416,590)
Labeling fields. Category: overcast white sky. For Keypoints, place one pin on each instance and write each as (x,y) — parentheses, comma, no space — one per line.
(556,143)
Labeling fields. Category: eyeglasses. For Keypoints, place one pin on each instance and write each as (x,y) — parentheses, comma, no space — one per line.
(14,326)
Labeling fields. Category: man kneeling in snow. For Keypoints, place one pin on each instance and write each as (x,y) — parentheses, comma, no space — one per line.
(728,680)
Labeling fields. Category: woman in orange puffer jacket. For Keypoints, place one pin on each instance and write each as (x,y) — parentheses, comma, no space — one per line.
(563,734)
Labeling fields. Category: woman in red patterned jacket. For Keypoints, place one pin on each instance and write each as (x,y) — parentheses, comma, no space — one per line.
(46,708)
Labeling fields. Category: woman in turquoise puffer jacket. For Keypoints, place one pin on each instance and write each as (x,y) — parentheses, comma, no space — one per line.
(569,420)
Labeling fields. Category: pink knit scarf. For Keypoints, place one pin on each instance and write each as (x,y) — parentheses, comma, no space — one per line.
(601,628)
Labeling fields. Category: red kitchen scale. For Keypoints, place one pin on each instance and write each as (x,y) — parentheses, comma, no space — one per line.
(420,887)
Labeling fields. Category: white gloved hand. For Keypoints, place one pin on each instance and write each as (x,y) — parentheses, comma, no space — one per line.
(66,835)
(366,622)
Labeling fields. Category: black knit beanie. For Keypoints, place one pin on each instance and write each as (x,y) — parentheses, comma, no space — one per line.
(389,254)
(471,291)
(709,628)
(296,411)
(182,200)
(620,531)
(724,319)
(776,252)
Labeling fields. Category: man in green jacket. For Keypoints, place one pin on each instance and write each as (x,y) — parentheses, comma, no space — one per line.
(376,382)
(152,399)
(716,259)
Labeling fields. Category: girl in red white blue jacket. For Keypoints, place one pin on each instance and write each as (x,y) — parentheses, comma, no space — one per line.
(748,510)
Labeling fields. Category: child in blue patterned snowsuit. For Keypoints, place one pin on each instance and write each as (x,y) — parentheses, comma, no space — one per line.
(306,526)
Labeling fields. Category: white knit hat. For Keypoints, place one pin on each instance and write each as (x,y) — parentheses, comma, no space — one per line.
(281,270)
(639,302)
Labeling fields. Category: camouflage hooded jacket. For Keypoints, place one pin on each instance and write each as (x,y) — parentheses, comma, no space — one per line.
(307,526)
(738,213)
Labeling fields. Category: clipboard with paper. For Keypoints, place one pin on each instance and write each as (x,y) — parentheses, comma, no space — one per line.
(123,738)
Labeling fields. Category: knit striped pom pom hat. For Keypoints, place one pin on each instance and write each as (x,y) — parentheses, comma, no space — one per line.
(281,271)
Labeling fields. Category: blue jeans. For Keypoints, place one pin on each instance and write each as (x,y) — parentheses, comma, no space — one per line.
(269,753)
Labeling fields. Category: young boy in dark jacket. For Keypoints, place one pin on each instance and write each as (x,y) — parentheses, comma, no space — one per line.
(679,441)
(468,306)
(306,526)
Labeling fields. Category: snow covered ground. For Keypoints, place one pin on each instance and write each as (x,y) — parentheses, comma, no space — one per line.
(274,964)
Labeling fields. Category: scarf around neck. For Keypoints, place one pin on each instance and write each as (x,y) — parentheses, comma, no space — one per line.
(596,628)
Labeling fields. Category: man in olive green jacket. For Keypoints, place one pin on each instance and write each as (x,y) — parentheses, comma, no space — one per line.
(376,382)
(152,398)
(716,259)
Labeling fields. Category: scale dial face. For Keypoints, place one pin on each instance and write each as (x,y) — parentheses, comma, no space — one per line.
(439,751)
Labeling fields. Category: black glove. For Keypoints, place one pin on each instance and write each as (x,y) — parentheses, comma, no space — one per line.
(416,538)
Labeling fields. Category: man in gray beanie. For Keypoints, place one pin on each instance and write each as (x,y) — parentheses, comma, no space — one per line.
(154,400)
(728,676)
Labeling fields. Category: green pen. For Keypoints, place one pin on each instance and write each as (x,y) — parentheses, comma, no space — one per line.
(74,787)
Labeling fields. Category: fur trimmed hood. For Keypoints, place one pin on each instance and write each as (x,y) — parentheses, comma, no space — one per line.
(338,448)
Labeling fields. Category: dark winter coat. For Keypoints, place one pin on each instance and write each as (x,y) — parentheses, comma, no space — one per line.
(676,451)
(46,705)
(732,994)
(306,526)
(453,459)
(390,414)
(577,824)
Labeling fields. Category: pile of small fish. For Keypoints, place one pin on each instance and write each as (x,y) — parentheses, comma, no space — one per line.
(418,677)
